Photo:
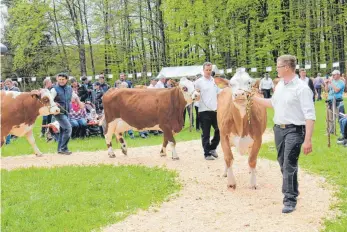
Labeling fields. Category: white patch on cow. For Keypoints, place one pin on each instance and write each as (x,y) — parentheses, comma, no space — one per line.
(108,136)
(231,177)
(21,130)
(31,140)
(242,144)
(253,178)
(189,92)
(13,93)
(174,153)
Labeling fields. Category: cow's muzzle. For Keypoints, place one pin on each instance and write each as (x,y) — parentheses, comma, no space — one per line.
(54,110)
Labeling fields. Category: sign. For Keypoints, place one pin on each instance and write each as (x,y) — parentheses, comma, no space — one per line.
(268,69)
(138,74)
(297,66)
(130,75)
(70,77)
(221,71)
(243,69)
(336,64)
(49,77)
(96,77)
(110,76)
(323,65)
(307,66)
(229,70)
(253,69)
(33,79)
(19,79)
(149,74)
(89,78)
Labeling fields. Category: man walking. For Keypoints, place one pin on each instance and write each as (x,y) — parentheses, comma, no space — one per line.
(294,121)
(208,111)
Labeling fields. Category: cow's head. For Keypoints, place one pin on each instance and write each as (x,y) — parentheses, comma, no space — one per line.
(45,98)
(188,90)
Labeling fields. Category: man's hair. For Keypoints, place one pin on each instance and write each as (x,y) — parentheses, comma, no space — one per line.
(8,80)
(288,60)
(83,78)
(302,70)
(62,75)
(206,64)
(73,80)
(45,81)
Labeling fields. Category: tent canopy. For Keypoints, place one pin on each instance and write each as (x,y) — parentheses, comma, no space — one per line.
(183,71)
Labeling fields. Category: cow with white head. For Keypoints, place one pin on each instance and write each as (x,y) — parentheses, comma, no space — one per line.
(244,133)
(189,92)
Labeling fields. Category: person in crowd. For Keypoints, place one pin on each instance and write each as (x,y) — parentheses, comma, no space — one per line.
(103,85)
(208,111)
(83,91)
(294,117)
(9,84)
(153,83)
(308,81)
(266,85)
(74,85)
(335,88)
(122,78)
(161,82)
(98,97)
(318,84)
(47,84)
(343,126)
(77,118)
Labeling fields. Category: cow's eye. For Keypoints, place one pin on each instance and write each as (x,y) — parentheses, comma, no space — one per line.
(45,100)
(185,89)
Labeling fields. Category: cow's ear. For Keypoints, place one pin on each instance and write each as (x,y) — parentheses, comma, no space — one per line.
(221,82)
(35,93)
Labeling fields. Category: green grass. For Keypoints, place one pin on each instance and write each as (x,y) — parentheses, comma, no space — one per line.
(328,162)
(76,198)
(21,146)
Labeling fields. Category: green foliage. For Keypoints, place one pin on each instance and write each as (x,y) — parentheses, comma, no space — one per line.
(76,198)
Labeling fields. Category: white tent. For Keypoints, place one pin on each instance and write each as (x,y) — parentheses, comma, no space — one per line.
(183,71)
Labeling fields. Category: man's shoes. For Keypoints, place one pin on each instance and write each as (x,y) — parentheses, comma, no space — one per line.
(342,142)
(288,209)
(132,136)
(209,157)
(65,152)
(214,153)
(143,136)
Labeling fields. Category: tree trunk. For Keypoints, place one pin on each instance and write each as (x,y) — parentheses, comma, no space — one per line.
(89,38)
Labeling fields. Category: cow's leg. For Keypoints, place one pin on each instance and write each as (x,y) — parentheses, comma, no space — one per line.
(168,136)
(123,144)
(252,162)
(30,137)
(163,148)
(111,127)
(228,158)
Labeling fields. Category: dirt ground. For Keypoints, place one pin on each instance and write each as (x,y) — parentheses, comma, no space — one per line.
(204,203)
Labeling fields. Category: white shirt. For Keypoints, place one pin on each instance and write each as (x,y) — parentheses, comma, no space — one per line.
(151,86)
(293,103)
(160,85)
(306,80)
(266,84)
(208,94)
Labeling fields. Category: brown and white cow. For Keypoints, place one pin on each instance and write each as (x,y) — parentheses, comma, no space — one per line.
(20,110)
(235,129)
(147,109)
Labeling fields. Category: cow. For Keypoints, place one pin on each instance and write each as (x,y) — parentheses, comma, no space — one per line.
(20,110)
(147,109)
(236,129)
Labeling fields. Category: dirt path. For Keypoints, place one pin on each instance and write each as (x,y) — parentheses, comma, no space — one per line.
(204,204)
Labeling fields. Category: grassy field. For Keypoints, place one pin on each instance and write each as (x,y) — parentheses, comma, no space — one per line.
(328,162)
(76,198)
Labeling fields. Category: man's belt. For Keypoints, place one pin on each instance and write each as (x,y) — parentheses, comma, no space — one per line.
(285,126)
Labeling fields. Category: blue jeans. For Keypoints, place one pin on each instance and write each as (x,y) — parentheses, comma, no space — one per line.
(343,124)
(78,127)
(46,120)
(65,131)
(8,139)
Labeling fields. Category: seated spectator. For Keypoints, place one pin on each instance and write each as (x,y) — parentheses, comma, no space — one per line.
(53,131)
(103,85)
(83,91)
(152,84)
(343,127)
(77,118)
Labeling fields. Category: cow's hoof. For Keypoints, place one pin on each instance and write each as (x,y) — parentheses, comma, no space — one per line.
(224,175)
(112,155)
(125,152)
(39,155)
(254,187)
(162,154)
(175,158)
(231,187)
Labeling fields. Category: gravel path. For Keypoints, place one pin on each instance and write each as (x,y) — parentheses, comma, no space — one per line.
(205,204)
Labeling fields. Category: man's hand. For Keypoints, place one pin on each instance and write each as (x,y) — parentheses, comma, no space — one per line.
(307,147)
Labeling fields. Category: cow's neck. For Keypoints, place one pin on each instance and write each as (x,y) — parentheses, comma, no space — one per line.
(31,106)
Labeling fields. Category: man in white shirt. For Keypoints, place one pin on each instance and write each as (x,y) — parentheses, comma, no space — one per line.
(266,85)
(161,83)
(152,84)
(208,111)
(307,80)
(294,121)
